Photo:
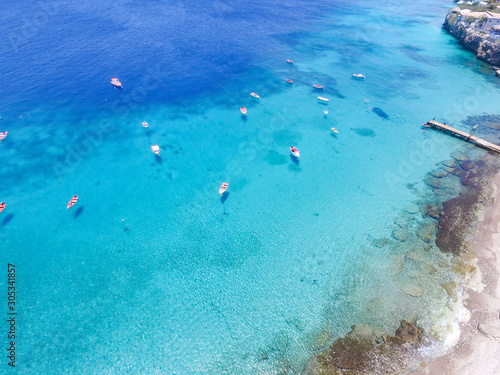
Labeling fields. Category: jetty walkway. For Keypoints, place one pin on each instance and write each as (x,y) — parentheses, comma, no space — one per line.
(466,136)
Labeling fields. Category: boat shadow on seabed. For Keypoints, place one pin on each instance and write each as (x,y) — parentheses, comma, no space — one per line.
(294,159)
(224,197)
(78,212)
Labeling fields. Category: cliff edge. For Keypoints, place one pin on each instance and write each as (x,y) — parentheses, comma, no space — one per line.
(478,41)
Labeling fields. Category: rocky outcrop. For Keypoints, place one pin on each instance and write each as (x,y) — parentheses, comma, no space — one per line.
(362,352)
(472,39)
(457,218)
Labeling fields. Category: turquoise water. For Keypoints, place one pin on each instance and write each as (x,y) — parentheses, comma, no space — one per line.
(153,272)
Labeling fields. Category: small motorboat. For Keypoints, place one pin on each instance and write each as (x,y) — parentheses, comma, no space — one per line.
(145,124)
(325,113)
(289,81)
(359,75)
(426,126)
(319,87)
(289,61)
(334,130)
(2,206)
(255,95)
(3,135)
(243,111)
(295,152)
(223,188)
(115,82)
(323,99)
(155,149)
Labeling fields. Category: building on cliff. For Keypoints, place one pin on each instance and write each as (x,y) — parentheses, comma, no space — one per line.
(476,31)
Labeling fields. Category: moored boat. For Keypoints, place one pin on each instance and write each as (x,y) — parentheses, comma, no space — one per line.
(289,81)
(3,135)
(325,113)
(243,111)
(2,206)
(323,99)
(223,188)
(319,87)
(295,152)
(359,75)
(72,202)
(255,95)
(155,149)
(334,130)
(115,82)
(289,61)
(145,124)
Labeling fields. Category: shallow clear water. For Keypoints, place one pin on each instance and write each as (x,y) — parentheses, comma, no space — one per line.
(153,272)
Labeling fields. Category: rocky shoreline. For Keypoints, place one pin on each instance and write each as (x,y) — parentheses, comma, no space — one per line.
(477,41)
(365,350)
(362,351)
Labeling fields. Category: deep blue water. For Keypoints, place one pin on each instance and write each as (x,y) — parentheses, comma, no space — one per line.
(153,272)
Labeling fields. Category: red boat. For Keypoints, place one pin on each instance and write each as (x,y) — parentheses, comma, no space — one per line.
(72,202)
(3,135)
(289,61)
(2,206)
(243,111)
(116,83)
(289,81)
(318,87)
(145,124)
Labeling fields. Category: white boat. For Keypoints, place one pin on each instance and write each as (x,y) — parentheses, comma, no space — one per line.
(334,130)
(325,113)
(359,75)
(295,152)
(145,124)
(223,188)
(323,99)
(155,149)
(255,95)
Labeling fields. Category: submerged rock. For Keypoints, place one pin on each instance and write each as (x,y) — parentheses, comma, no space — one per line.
(452,163)
(459,156)
(426,231)
(439,173)
(432,182)
(412,209)
(360,352)
(412,290)
(400,234)
(428,268)
(467,166)
(397,264)
(381,242)
(451,289)
(459,172)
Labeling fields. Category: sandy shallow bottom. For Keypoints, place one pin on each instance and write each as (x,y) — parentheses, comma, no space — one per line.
(478,349)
